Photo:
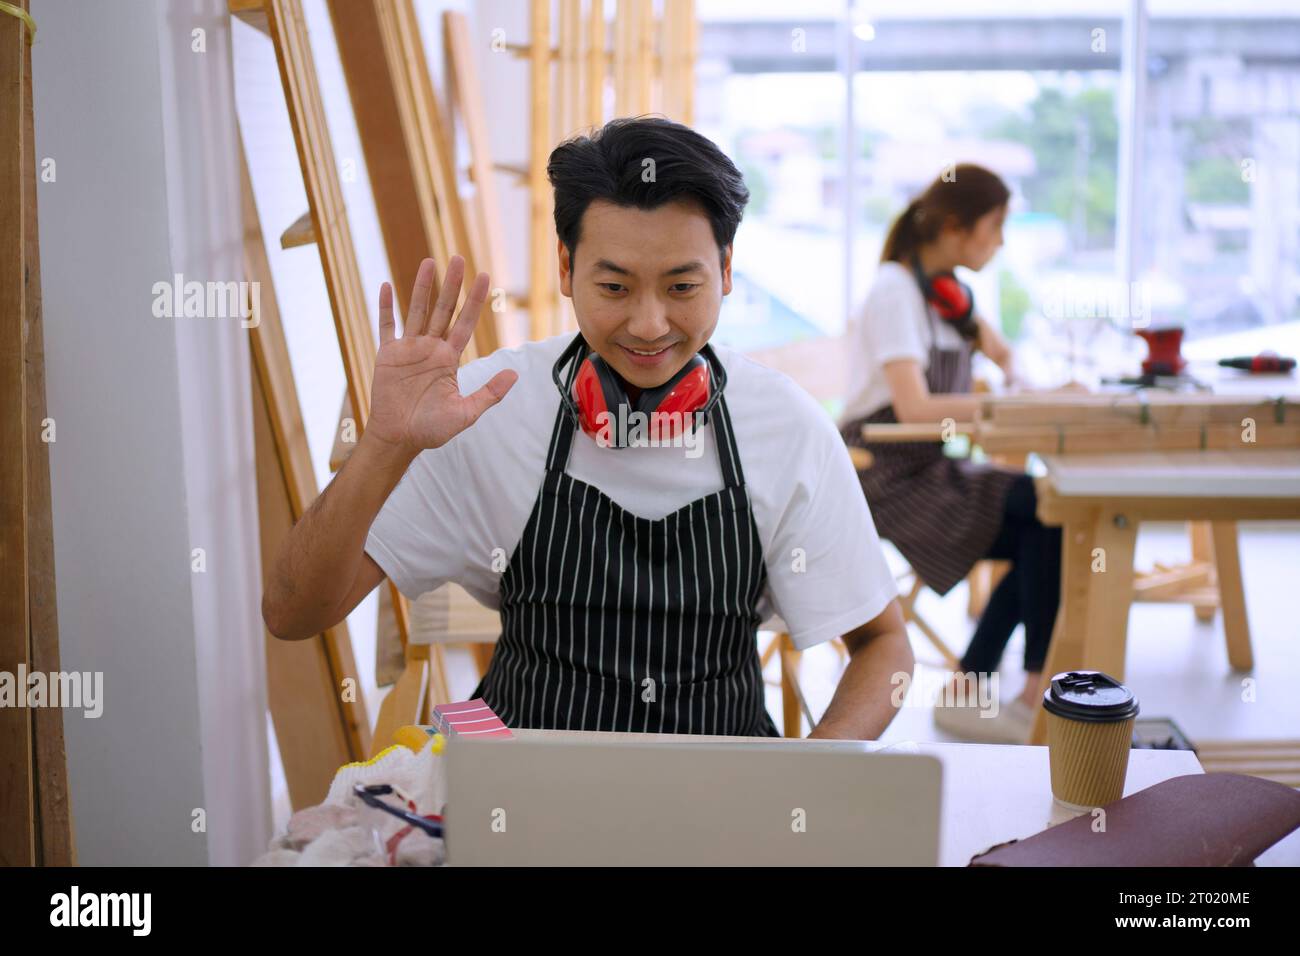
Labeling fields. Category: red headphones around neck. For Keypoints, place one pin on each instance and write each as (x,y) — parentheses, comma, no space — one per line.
(951,298)
(600,403)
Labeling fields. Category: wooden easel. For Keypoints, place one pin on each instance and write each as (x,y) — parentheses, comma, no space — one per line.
(465,103)
(282,21)
(407,144)
(35,808)
(408,141)
(414,182)
(568,83)
(317,724)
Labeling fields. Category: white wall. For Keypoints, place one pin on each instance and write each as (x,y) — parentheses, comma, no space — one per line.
(153,455)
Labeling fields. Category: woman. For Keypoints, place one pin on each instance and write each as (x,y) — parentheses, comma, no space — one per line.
(912,347)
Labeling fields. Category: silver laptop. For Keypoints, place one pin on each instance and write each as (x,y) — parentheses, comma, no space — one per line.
(549,798)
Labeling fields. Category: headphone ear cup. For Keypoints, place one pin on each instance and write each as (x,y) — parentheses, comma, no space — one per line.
(951,297)
(599,399)
(687,392)
(589,394)
(672,394)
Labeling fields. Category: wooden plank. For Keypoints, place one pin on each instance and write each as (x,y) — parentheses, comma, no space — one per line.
(55,840)
(17,784)
(692,55)
(300,681)
(251,12)
(1080,438)
(913,431)
(428,144)
(568,72)
(341,450)
(379,127)
(1159,408)
(318,729)
(624,51)
(596,62)
(329,216)
(1172,583)
(674,43)
(300,233)
(541,228)
(466,92)
(642,66)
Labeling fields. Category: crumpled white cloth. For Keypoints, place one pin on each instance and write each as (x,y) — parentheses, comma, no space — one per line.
(343,831)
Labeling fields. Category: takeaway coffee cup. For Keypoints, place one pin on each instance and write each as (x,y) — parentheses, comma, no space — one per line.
(1089,734)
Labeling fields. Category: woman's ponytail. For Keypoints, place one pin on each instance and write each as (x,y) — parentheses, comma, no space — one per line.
(959,198)
(901,242)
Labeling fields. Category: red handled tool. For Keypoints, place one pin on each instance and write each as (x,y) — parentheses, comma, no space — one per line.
(1260,364)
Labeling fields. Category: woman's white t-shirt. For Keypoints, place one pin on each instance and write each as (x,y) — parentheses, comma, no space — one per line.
(460,510)
(892,324)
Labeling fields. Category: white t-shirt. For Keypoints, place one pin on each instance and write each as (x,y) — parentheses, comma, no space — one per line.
(459,503)
(892,324)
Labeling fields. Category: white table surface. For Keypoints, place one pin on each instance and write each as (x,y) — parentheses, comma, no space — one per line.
(1177,474)
(993,793)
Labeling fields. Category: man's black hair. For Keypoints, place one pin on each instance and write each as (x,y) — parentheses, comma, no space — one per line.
(610,164)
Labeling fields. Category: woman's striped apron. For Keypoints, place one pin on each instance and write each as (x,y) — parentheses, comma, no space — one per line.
(941,513)
(611,621)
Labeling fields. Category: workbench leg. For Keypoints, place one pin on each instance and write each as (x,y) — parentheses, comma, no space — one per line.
(1066,651)
(1232,595)
(1202,553)
(1110,595)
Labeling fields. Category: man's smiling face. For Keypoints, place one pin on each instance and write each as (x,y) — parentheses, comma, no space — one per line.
(647,286)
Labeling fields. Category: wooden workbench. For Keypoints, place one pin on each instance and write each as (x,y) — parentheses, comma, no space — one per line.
(1100,500)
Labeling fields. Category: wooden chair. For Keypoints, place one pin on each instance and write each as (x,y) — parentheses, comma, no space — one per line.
(862,460)
(794,705)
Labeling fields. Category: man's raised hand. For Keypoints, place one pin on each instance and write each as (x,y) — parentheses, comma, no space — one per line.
(415,399)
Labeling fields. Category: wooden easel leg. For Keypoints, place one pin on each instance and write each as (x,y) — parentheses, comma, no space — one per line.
(1232,596)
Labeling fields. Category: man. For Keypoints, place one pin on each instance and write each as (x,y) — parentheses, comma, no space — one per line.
(631,564)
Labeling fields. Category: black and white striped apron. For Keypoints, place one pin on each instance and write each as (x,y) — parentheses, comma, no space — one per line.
(942,513)
(611,621)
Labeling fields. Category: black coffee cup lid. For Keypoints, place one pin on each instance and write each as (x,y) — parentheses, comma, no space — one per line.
(1089,695)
